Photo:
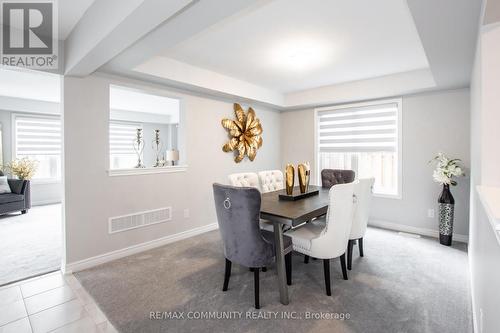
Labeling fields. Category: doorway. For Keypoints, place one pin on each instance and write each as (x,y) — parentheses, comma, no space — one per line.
(31,189)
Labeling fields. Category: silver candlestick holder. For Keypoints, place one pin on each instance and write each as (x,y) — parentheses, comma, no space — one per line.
(138,145)
(157,146)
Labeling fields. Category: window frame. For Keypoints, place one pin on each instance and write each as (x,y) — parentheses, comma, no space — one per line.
(399,137)
(16,115)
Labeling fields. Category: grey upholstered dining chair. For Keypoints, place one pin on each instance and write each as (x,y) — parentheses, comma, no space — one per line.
(238,211)
(330,177)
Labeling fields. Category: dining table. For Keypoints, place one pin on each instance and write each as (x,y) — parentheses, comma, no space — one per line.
(290,213)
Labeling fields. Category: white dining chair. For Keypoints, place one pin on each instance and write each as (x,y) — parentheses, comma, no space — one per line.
(245,179)
(327,238)
(250,179)
(363,191)
(271,180)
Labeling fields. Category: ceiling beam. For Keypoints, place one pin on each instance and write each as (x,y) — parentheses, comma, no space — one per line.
(200,16)
(111,26)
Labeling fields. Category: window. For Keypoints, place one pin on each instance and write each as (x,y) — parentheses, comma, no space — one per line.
(364,138)
(39,138)
(121,150)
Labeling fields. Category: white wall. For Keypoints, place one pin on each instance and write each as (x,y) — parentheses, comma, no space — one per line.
(91,196)
(432,122)
(484,249)
(297,139)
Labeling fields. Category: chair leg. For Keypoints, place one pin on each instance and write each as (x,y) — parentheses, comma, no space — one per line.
(361,247)
(350,245)
(306,259)
(288,266)
(256,287)
(326,268)
(342,263)
(24,211)
(227,274)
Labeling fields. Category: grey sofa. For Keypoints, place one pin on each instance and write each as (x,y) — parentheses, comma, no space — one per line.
(18,200)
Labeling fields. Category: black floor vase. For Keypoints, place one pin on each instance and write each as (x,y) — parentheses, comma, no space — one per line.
(446,215)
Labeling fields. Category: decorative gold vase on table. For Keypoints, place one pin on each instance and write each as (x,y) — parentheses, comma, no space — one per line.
(289,178)
(304,174)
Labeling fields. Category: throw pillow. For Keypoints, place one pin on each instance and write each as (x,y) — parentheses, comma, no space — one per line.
(4,185)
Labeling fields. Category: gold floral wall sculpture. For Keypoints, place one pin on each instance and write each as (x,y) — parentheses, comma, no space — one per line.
(244,132)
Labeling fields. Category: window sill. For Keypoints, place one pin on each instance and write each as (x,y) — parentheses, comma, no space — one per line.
(147,171)
(387,196)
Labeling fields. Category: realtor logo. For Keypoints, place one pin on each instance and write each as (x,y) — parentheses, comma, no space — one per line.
(29,34)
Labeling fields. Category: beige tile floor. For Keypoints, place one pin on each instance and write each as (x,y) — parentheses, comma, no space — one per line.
(50,303)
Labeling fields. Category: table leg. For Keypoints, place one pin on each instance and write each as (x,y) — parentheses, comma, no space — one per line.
(280,263)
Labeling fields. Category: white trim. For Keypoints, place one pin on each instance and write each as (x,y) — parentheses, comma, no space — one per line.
(147,171)
(414,230)
(399,102)
(113,255)
(490,200)
(475,322)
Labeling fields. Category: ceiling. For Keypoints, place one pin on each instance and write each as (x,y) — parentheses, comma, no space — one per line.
(284,54)
(292,45)
(70,12)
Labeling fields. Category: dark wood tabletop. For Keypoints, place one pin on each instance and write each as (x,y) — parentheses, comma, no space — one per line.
(294,212)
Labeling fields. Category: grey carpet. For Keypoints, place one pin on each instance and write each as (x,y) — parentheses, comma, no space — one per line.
(402,284)
(30,244)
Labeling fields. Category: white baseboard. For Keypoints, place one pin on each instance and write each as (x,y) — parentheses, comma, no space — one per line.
(414,230)
(475,322)
(113,255)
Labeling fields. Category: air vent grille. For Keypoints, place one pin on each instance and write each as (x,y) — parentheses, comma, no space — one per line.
(140,219)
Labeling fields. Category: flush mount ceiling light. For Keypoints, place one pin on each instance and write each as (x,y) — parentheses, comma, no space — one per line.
(300,54)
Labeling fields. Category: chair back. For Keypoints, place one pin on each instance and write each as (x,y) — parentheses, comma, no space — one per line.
(238,212)
(330,177)
(271,180)
(333,240)
(246,179)
(363,198)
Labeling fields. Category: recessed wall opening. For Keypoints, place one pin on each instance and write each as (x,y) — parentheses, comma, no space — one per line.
(144,130)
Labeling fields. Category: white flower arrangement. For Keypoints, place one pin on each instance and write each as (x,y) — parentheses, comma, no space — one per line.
(446,169)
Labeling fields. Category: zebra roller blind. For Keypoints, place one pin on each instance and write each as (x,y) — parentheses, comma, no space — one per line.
(371,128)
(37,136)
(121,138)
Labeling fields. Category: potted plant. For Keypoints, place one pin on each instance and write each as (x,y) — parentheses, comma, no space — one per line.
(23,168)
(445,173)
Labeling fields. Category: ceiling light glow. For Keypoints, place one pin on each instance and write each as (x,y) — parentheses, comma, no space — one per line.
(300,55)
